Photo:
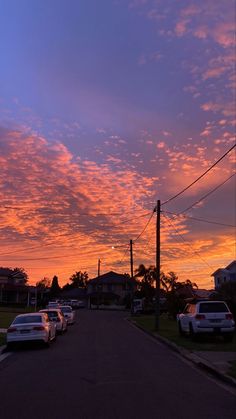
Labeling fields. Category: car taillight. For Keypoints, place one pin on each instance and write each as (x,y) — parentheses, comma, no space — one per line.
(229,316)
(38,328)
(199,317)
(11,329)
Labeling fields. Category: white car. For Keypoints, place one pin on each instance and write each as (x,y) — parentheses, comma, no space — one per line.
(31,327)
(53,304)
(55,315)
(212,317)
(68,313)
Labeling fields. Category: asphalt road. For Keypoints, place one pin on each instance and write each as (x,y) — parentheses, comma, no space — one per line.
(105,368)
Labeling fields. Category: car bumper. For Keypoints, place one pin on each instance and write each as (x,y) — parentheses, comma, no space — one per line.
(41,336)
(215,329)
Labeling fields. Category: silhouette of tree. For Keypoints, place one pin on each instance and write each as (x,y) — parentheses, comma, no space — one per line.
(55,288)
(79,279)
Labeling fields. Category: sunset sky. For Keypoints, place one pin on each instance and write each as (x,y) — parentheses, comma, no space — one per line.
(105,107)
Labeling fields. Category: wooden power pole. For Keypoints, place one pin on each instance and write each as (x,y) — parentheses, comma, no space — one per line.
(158,261)
(131,259)
(99,266)
(132,275)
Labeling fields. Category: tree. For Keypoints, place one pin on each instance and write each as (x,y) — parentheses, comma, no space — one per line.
(146,284)
(43,283)
(43,287)
(55,288)
(176,292)
(79,280)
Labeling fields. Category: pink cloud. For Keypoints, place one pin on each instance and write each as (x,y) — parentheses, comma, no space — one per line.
(161,144)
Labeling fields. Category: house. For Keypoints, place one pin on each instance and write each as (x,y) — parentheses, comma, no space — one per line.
(226,274)
(12,286)
(74,294)
(110,290)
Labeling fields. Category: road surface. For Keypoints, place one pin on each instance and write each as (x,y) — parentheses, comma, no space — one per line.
(105,368)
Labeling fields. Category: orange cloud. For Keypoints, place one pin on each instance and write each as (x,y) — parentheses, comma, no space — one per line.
(60,213)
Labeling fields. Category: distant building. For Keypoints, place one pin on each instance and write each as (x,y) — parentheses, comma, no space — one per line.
(110,289)
(12,286)
(226,274)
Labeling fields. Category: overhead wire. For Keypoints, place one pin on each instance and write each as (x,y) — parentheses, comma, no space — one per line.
(198,219)
(145,227)
(183,239)
(207,194)
(199,177)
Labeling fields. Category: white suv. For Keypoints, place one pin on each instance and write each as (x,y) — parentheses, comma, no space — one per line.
(212,317)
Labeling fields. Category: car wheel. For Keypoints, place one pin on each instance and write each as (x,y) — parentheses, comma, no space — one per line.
(191,332)
(47,343)
(181,332)
(10,346)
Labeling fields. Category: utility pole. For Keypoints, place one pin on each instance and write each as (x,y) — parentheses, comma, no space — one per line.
(99,265)
(132,275)
(131,259)
(158,260)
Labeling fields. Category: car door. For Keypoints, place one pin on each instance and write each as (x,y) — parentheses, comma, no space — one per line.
(185,318)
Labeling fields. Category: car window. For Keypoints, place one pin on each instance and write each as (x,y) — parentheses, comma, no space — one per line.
(187,309)
(52,314)
(66,309)
(213,308)
(192,308)
(27,319)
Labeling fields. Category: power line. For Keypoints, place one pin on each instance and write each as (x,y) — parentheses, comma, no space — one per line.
(207,194)
(183,239)
(145,227)
(123,257)
(199,219)
(199,177)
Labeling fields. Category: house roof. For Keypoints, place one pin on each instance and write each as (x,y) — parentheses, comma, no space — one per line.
(202,293)
(111,278)
(222,270)
(5,272)
(226,269)
(231,265)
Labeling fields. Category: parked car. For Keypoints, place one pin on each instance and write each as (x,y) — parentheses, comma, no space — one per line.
(203,317)
(55,315)
(68,313)
(81,304)
(31,327)
(53,304)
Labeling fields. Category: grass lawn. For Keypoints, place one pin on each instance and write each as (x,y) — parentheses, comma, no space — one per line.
(7,314)
(169,330)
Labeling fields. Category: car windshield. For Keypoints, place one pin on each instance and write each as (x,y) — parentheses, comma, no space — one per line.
(213,308)
(28,319)
(51,314)
(66,309)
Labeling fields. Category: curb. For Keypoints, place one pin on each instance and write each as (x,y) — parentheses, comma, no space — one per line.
(194,358)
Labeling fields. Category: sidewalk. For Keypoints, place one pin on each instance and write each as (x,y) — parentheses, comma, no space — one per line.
(217,363)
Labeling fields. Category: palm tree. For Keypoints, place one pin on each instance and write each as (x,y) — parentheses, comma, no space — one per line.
(148,277)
